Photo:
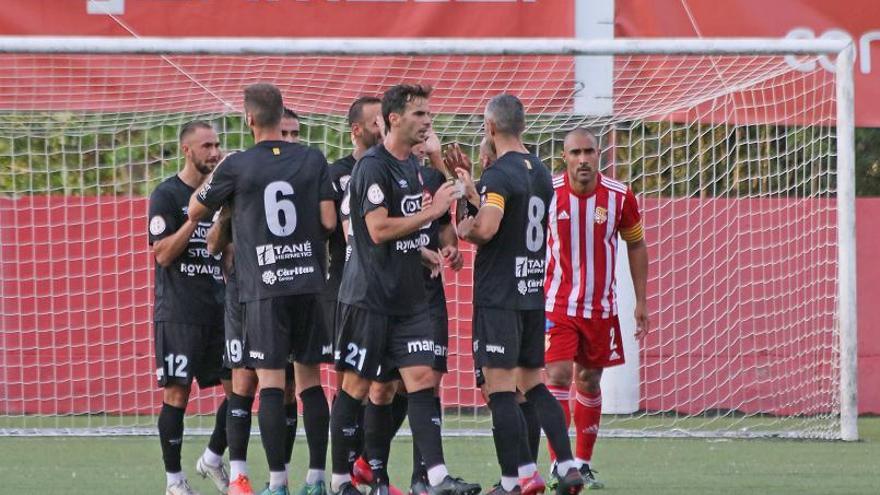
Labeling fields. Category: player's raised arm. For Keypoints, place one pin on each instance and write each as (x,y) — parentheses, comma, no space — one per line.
(220,234)
(384,228)
(482,227)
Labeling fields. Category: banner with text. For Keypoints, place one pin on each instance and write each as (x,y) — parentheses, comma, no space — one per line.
(857,20)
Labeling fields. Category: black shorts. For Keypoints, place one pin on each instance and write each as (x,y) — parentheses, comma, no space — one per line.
(439,317)
(280,329)
(328,312)
(232,325)
(507,338)
(376,345)
(185,351)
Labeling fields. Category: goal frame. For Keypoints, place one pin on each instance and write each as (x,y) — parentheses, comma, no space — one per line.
(842,50)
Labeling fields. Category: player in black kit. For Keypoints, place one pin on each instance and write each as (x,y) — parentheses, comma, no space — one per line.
(365,133)
(283,208)
(188,311)
(441,251)
(382,319)
(510,230)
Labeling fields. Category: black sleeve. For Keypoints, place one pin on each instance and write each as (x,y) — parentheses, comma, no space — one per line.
(373,185)
(164,215)
(221,185)
(493,189)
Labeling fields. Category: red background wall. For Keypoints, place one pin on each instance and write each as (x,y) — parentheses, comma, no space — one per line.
(75,332)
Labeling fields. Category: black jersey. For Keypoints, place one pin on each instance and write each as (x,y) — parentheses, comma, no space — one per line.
(432,179)
(277,188)
(385,278)
(509,269)
(340,174)
(190,290)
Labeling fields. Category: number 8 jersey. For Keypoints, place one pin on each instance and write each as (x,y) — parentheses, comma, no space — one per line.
(509,269)
(277,188)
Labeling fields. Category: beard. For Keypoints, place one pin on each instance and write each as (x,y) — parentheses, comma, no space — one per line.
(370,139)
(205,168)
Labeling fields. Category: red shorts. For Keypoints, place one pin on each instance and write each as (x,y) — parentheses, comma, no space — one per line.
(591,343)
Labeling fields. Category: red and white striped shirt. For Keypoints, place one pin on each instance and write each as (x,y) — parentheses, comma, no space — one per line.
(582,246)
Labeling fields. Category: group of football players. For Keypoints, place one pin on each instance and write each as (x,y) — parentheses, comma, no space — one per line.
(270,262)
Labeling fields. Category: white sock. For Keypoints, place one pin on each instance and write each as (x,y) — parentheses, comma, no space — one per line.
(210,458)
(563,467)
(581,462)
(237,468)
(337,480)
(437,474)
(172,478)
(508,483)
(277,479)
(527,471)
(314,475)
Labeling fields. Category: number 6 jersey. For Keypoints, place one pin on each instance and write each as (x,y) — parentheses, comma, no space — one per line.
(277,188)
(509,269)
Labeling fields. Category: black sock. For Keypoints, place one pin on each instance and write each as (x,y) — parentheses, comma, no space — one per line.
(424,421)
(552,419)
(273,427)
(525,449)
(291,416)
(378,432)
(316,419)
(238,425)
(217,443)
(399,407)
(344,432)
(362,410)
(533,427)
(171,436)
(507,431)
(420,472)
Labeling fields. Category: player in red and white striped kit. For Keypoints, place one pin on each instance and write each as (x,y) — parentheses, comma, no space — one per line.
(588,212)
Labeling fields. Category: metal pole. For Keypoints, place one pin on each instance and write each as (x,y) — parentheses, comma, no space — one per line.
(846,240)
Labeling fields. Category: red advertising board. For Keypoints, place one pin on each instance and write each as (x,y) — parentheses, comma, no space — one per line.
(292,18)
(858,20)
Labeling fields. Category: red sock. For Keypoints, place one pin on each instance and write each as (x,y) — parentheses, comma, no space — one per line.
(587,415)
(563,395)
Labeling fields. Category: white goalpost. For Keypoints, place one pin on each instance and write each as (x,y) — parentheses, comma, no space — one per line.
(740,151)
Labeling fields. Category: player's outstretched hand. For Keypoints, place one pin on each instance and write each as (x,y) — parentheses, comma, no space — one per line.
(432,260)
(443,198)
(643,323)
(454,159)
(453,258)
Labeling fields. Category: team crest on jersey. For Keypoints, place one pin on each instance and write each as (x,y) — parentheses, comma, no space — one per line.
(157,225)
(343,182)
(601,215)
(375,194)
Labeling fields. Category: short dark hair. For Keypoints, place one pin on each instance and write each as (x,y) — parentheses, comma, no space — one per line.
(289,114)
(582,131)
(395,99)
(356,110)
(190,127)
(508,114)
(263,102)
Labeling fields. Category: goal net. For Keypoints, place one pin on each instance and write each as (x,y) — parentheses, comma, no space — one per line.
(733,158)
